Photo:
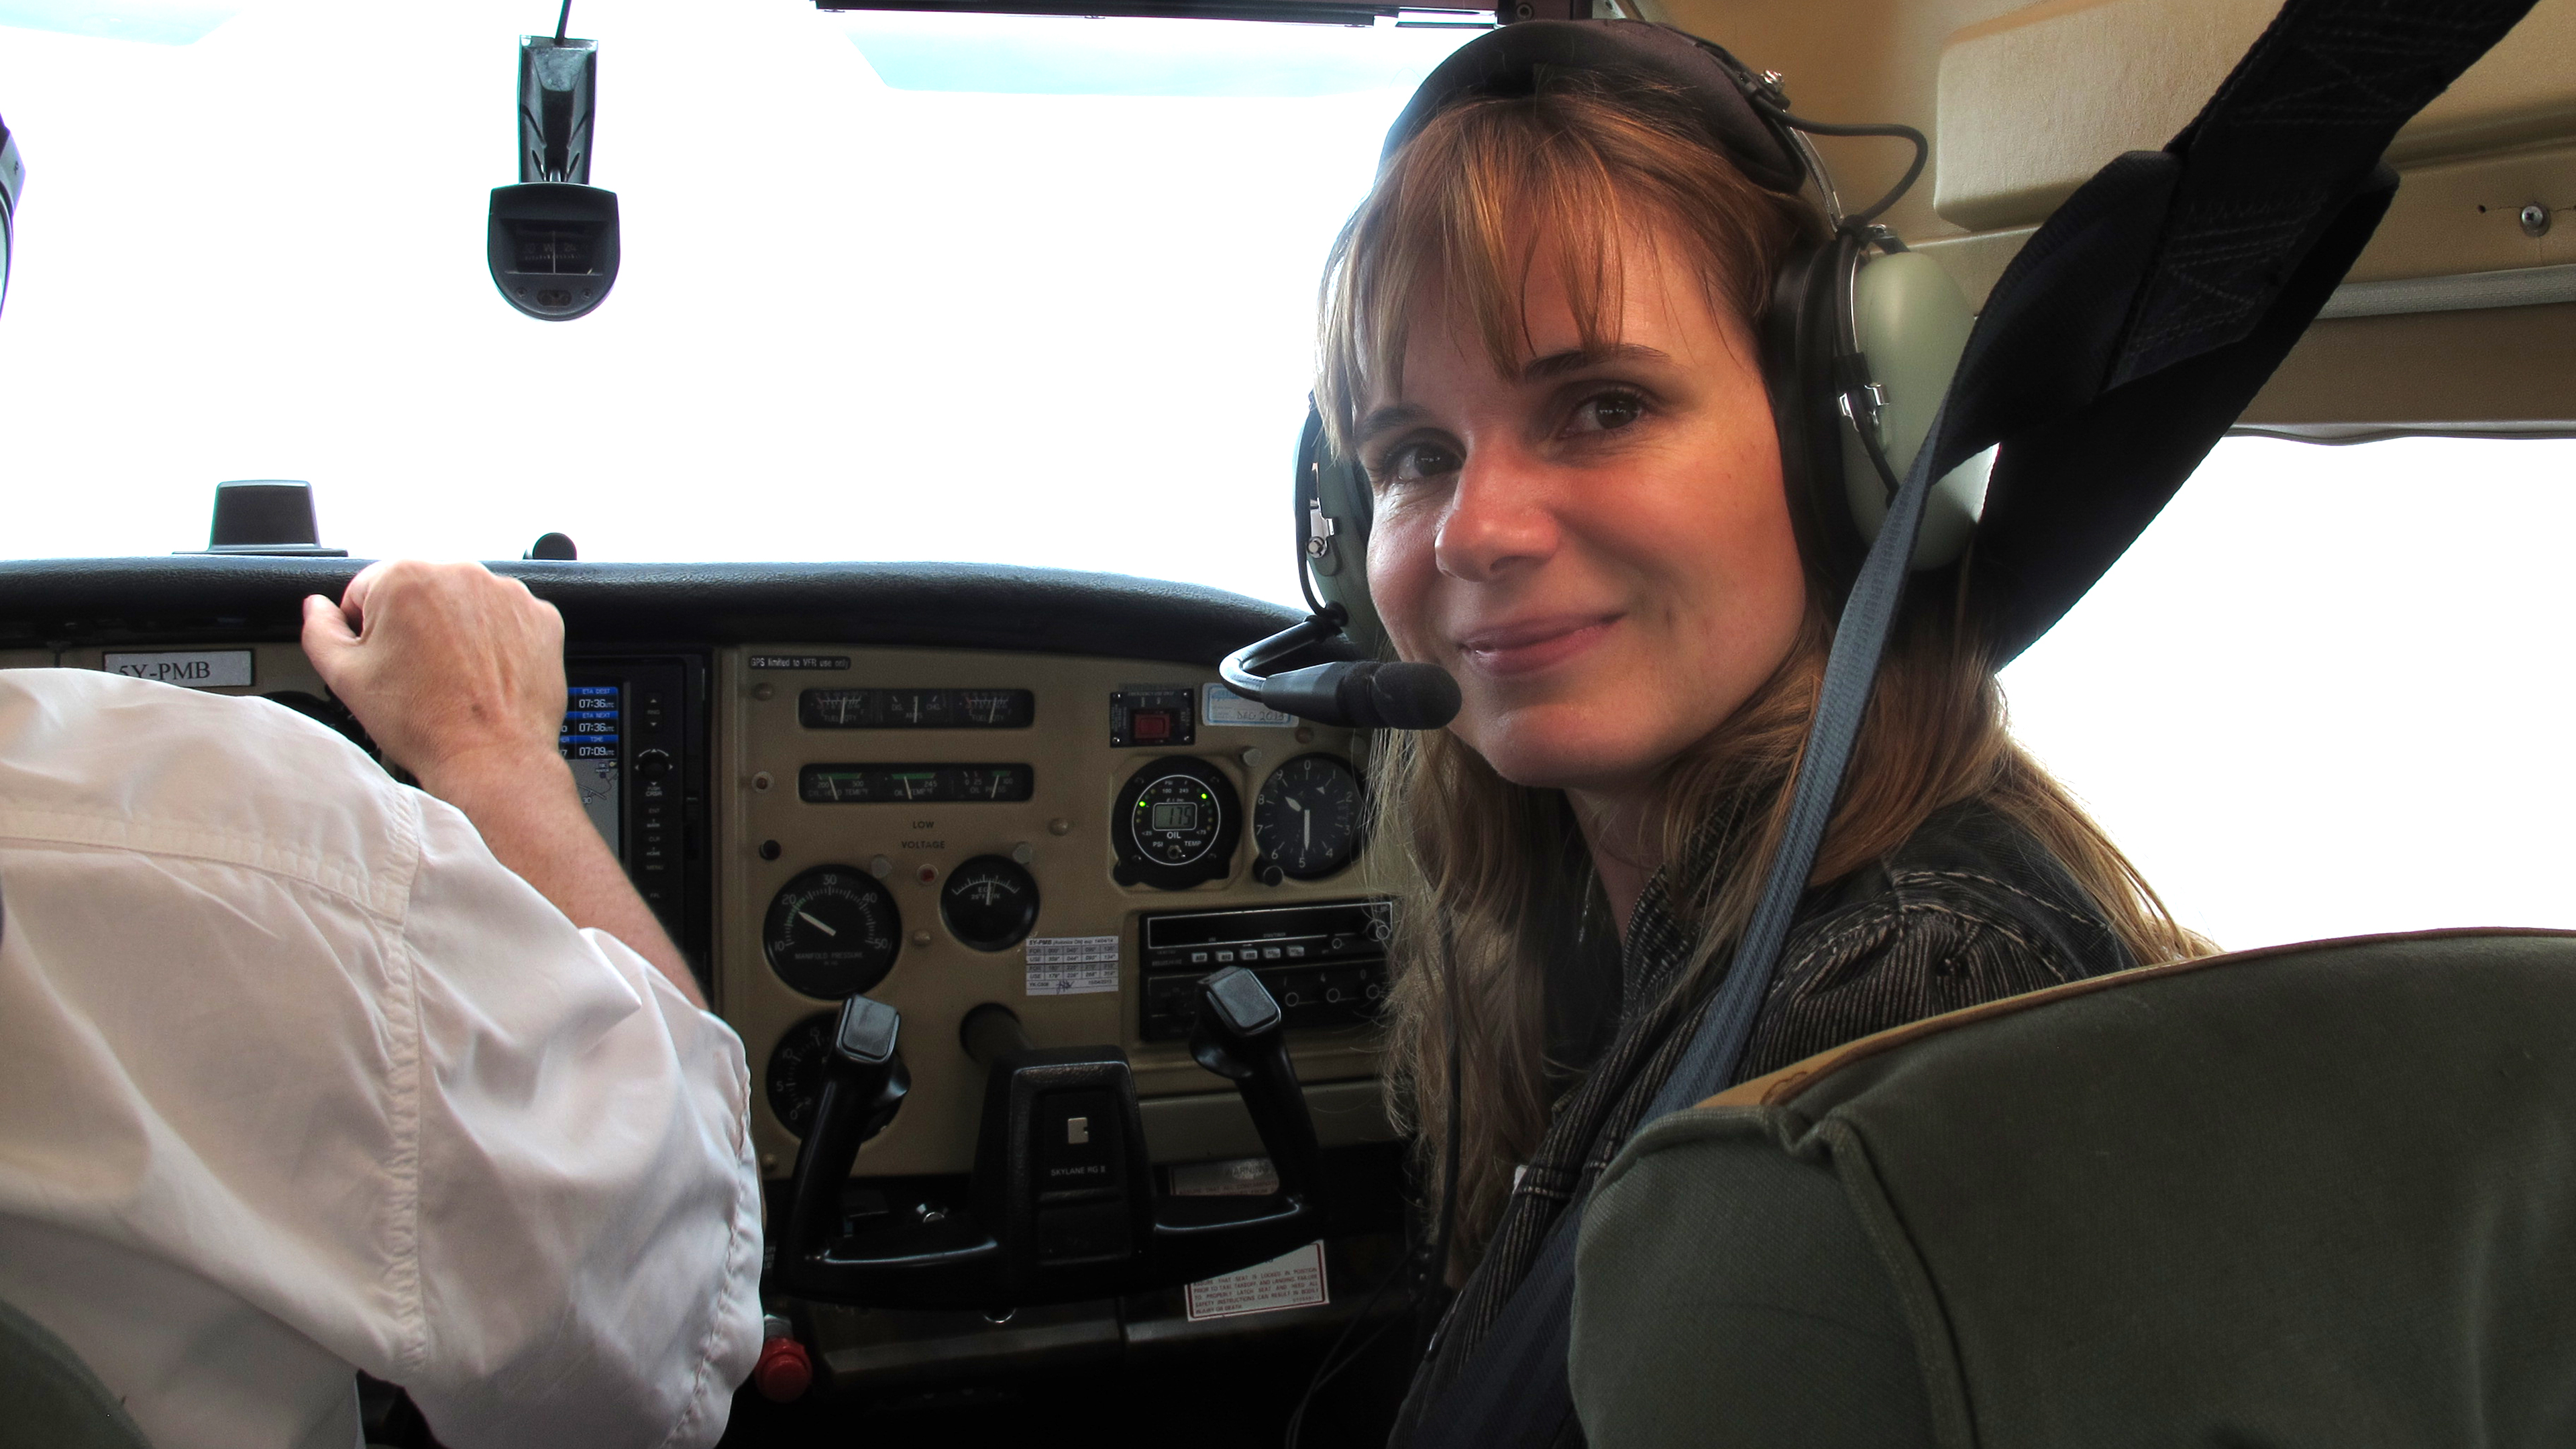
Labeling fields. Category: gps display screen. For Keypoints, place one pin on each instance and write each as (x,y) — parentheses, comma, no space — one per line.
(591,742)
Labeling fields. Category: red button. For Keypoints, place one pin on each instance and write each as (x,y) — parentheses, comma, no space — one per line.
(784,1372)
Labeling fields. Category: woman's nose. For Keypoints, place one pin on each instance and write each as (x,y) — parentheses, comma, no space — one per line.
(1499,517)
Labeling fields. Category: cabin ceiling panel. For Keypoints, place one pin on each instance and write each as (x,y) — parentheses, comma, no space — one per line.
(2032,102)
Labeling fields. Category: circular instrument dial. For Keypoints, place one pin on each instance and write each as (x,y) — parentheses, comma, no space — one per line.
(989,903)
(1306,820)
(793,1079)
(1175,820)
(832,932)
(1176,824)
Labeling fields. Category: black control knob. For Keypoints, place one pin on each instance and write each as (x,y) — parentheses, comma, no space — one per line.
(653,764)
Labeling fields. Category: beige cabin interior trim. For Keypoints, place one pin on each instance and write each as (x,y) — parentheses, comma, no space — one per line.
(2032,102)
(2024,102)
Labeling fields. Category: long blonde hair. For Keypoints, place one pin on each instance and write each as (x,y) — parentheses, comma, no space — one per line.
(1499,876)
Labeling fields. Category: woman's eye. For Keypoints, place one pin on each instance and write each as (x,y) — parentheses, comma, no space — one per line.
(1411,462)
(1609,412)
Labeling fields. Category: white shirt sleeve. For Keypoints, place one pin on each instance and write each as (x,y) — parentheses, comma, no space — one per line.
(278,1033)
(588,1242)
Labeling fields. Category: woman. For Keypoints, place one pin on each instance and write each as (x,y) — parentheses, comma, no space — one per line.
(1540,340)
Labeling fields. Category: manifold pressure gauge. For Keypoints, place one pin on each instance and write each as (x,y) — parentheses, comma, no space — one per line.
(1175,824)
(832,932)
(989,903)
(1306,819)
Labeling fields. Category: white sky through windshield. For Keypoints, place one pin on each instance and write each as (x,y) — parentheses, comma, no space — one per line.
(1041,292)
(852,321)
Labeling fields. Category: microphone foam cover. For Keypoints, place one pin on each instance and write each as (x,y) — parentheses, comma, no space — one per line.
(1410,696)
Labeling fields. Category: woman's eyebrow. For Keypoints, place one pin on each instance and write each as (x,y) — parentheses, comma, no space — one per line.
(1558,364)
(1379,420)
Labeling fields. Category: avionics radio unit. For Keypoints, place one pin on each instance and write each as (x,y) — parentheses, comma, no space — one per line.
(1324,963)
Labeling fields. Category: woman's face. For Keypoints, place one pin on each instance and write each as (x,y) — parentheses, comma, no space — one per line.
(1597,545)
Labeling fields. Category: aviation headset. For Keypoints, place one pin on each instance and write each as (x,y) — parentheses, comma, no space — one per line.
(1859,342)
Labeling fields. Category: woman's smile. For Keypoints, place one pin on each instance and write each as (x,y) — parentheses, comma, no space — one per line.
(1528,645)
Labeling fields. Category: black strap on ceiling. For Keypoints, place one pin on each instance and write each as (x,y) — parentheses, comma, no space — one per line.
(2115,351)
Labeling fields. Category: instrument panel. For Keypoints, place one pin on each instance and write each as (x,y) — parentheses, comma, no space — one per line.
(944,829)
(1076,838)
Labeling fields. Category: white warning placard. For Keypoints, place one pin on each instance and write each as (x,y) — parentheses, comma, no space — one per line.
(1291,1280)
(1072,965)
(1219,705)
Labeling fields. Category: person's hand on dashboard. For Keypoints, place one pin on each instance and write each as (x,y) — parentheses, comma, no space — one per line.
(452,668)
(458,673)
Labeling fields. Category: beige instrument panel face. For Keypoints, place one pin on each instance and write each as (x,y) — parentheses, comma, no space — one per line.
(760,746)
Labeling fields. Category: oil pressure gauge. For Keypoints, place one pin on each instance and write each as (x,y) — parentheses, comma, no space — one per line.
(832,932)
(989,903)
(1306,820)
(1176,824)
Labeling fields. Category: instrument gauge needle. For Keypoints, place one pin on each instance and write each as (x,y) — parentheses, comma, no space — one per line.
(809,918)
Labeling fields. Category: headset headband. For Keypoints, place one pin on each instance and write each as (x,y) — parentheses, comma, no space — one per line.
(1510,62)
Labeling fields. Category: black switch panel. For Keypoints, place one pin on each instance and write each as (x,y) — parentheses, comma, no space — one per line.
(1307,995)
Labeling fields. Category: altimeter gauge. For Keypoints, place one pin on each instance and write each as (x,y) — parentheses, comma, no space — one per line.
(989,903)
(1306,820)
(832,932)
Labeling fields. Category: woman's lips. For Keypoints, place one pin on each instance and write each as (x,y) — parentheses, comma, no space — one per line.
(1527,646)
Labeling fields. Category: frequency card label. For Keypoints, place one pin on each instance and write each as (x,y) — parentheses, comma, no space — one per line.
(1072,965)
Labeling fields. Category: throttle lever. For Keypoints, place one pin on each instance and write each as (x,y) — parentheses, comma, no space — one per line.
(1241,1035)
(864,1060)
(864,1084)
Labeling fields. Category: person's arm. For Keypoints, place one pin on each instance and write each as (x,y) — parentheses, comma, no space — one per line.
(458,674)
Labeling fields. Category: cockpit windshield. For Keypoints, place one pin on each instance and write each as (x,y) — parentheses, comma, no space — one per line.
(1027,290)
(1040,291)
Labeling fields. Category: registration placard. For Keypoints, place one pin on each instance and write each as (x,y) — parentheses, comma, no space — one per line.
(190,669)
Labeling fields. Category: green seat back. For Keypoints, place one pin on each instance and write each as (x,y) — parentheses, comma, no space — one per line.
(2320,1195)
(49,1399)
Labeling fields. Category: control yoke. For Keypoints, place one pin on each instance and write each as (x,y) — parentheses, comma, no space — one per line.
(1064,1201)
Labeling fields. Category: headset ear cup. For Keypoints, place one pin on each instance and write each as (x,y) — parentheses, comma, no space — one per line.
(1912,324)
(1798,347)
(1337,563)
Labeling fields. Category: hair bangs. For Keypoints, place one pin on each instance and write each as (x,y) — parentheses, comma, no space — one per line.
(1491,189)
